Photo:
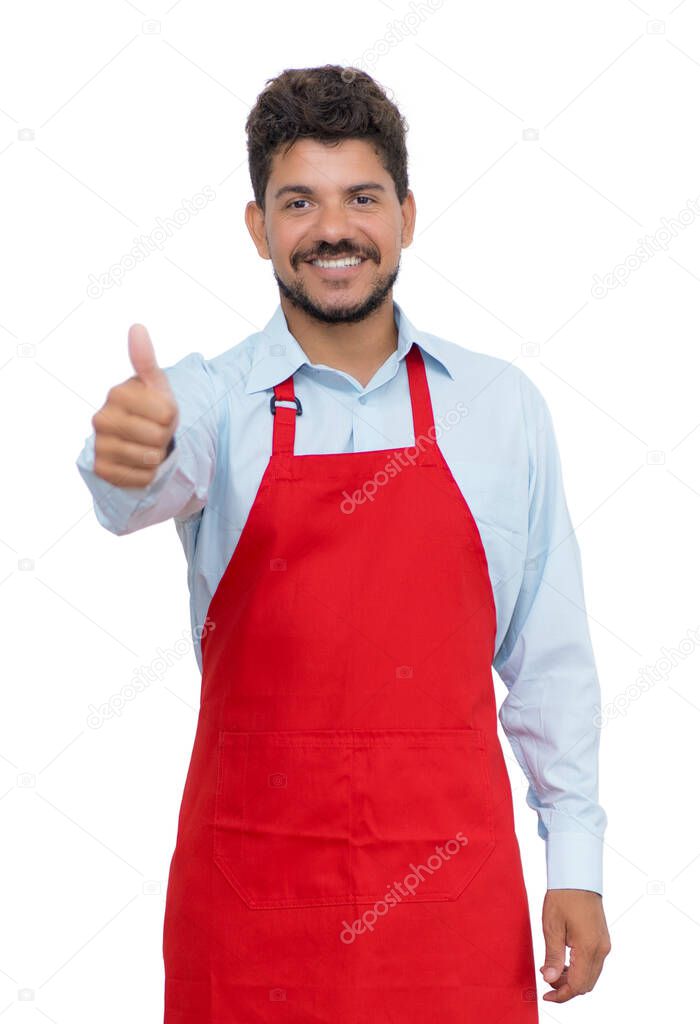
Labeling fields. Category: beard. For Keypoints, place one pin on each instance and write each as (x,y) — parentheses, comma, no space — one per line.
(329,313)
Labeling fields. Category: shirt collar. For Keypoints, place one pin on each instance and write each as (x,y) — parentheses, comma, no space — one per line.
(277,354)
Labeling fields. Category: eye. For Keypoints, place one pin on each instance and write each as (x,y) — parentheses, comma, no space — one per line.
(294,201)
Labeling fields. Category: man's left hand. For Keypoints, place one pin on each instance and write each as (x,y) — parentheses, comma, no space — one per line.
(574,918)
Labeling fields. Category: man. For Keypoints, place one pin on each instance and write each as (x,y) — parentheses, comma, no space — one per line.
(346,840)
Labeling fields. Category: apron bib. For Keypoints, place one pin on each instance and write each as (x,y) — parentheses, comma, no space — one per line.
(346,849)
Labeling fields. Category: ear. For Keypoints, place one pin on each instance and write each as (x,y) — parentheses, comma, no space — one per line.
(408,219)
(255,222)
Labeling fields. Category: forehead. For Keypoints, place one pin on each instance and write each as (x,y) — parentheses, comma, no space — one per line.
(326,168)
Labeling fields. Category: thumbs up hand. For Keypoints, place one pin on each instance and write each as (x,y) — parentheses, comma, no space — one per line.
(137,421)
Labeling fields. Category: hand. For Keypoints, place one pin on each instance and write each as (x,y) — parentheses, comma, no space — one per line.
(575,918)
(134,426)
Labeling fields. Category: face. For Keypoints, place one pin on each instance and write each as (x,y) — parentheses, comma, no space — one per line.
(330,201)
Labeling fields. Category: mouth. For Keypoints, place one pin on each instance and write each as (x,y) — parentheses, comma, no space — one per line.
(341,267)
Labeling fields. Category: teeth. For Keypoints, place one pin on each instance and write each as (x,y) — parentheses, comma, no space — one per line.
(348,262)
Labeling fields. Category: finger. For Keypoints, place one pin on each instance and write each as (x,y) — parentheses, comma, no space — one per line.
(143,359)
(124,453)
(554,930)
(560,995)
(561,980)
(122,476)
(136,398)
(580,978)
(555,956)
(584,968)
(117,423)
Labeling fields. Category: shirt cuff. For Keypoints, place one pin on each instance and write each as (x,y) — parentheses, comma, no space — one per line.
(574,861)
(114,506)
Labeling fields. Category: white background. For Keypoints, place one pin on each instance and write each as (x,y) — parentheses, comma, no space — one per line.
(545,140)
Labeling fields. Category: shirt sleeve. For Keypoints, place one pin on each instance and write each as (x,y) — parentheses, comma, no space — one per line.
(181,483)
(550,713)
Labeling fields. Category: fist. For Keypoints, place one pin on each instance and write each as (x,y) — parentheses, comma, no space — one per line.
(137,421)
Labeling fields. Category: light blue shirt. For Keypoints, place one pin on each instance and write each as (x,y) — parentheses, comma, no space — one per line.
(496,434)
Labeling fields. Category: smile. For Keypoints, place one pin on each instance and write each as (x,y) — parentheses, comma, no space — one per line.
(345,261)
(346,266)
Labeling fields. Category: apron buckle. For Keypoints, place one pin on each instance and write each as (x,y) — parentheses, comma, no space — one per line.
(284,402)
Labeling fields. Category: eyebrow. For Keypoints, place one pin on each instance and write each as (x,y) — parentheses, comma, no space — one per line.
(306,190)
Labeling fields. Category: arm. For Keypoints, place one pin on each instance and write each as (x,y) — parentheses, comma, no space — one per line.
(547,663)
(181,482)
(550,718)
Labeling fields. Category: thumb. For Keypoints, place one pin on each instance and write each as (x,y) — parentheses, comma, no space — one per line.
(555,955)
(143,359)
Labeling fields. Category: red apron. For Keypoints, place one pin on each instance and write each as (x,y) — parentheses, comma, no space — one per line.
(346,848)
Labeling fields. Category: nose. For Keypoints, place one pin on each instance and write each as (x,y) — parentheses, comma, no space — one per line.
(332,226)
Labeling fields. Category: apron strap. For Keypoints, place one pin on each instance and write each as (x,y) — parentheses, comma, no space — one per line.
(285,417)
(423,418)
(285,414)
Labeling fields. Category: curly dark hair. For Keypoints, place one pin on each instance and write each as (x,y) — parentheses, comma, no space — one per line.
(328,103)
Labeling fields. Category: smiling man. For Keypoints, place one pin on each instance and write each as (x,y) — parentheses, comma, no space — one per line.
(373,518)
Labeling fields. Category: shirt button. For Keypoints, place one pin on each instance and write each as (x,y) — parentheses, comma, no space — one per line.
(362,399)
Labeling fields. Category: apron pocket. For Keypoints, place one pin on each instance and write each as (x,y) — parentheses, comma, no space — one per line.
(330,817)
(422,813)
(282,829)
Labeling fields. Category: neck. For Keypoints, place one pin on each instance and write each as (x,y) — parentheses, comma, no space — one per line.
(358,349)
